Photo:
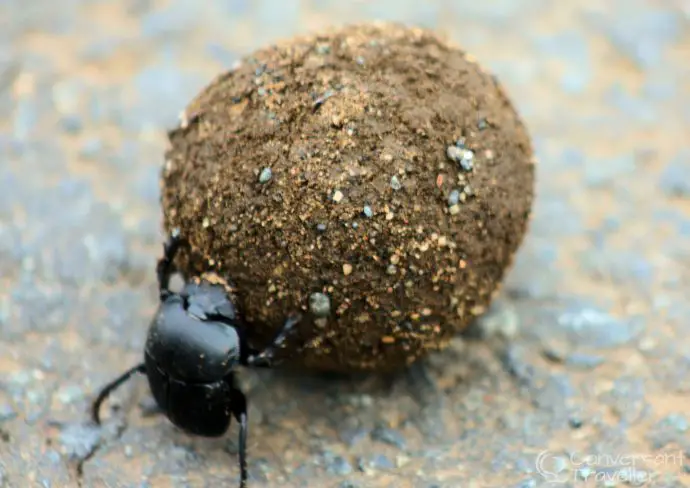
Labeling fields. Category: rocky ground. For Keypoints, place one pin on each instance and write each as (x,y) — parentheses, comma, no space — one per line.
(580,371)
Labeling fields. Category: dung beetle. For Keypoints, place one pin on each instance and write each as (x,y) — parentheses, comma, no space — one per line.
(195,341)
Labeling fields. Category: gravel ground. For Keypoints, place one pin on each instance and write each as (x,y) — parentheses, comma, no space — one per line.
(580,371)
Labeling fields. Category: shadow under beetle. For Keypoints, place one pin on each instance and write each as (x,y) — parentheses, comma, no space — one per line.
(194,343)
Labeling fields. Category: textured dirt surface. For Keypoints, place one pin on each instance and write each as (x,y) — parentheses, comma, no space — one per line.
(580,371)
(376,166)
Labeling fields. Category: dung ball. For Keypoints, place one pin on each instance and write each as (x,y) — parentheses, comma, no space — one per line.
(373,177)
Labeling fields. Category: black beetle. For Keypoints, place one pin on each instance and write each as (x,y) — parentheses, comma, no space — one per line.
(194,343)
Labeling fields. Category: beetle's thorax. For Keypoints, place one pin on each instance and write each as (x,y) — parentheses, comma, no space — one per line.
(191,339)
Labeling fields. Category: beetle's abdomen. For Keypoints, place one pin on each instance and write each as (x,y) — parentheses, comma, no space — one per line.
(199,409)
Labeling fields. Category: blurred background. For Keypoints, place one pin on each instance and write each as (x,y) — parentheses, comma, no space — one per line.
(579,372)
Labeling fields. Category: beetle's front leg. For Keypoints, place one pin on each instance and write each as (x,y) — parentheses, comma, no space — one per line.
(265,358)
(164,268)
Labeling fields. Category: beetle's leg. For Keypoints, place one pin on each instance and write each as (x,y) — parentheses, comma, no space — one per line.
(264,359)
(239,411)
(110,387)
(165,264)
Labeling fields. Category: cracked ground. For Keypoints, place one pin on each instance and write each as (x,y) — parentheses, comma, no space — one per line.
(579,372)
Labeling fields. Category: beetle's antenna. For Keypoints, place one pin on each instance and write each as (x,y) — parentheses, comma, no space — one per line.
(164,268)
(110,387)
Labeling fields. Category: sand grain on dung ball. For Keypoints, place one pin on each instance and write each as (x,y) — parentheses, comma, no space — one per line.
(375,165)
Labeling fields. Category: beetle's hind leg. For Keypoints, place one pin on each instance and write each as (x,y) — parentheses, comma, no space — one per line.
(112,386)
(239,411)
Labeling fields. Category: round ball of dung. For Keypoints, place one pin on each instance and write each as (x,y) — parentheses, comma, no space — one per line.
(374,178)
